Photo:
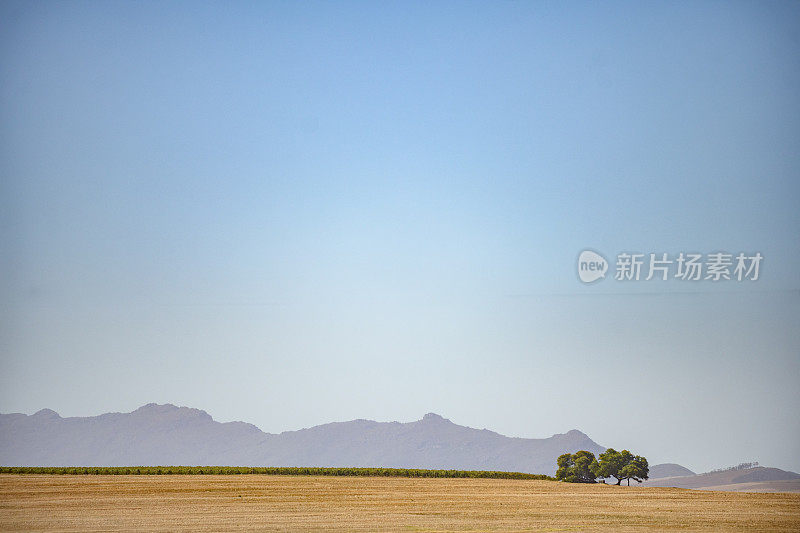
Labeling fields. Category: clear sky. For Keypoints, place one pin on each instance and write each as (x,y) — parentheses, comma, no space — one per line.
(292,213)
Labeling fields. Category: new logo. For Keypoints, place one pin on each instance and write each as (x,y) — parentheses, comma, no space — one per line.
(591,266)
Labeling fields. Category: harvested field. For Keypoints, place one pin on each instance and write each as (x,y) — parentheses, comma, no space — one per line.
(262,502)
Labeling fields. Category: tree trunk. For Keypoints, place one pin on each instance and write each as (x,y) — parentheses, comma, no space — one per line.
(619,481)
(629,482)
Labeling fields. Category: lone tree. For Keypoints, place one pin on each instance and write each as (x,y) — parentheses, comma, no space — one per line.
(576,467)
(620,465)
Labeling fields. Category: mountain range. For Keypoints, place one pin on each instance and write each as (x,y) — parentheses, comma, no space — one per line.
(154,435)
(754,479)
(168,435)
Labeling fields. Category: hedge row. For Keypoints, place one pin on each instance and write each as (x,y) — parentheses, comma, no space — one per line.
(279,471)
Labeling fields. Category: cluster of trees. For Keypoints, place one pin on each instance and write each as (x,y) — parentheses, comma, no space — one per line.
(583,467)
(740,466)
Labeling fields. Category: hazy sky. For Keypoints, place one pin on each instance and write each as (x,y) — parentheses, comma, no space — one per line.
(293,213)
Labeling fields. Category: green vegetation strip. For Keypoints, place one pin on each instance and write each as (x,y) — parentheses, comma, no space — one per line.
(274,471)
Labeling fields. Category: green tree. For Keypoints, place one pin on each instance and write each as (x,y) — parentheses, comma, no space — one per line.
(620,465)
(576,467)
(636,470)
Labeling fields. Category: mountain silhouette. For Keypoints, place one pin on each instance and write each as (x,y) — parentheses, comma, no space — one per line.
(168,435)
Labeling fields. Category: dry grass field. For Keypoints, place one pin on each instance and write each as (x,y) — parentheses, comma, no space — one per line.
(258,502)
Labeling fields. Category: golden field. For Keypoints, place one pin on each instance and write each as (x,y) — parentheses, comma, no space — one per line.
(262,502)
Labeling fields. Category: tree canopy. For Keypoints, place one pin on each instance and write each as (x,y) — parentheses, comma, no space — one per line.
(620,465)
(583,467)
(576,467)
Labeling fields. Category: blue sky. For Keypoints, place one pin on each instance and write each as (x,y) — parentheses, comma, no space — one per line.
(293,213)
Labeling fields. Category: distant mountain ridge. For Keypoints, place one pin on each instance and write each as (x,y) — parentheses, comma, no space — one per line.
(168,435)
(753,479)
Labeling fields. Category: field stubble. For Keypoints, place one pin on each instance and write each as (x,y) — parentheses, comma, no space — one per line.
(263,502)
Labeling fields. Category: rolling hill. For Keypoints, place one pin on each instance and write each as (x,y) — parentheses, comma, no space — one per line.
(755,479)
(669,470)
